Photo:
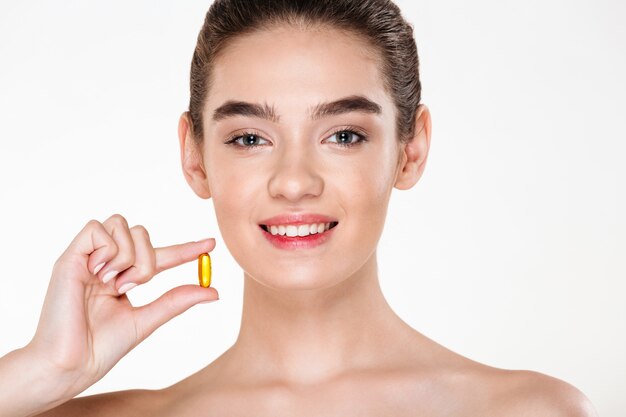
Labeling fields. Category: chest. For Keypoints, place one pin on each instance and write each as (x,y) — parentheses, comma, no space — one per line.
(358,398)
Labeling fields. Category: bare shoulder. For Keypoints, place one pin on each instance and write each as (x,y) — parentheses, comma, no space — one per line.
(529,393)
(462,386)
(134,402)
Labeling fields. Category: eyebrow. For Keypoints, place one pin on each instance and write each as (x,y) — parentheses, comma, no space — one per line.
(354,103)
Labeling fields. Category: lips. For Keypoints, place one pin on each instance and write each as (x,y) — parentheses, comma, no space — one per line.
(297,219)
(330,226)
(292,220)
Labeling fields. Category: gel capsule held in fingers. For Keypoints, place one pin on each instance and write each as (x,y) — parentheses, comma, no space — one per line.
(204,270)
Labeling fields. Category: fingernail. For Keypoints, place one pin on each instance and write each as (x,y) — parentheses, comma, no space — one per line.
(98,268)
(127,287)
(207,301)
(108,276)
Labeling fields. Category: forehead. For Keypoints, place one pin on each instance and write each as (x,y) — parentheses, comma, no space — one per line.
(295,69)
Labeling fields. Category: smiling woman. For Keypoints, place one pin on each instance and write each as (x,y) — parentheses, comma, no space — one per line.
(329,123)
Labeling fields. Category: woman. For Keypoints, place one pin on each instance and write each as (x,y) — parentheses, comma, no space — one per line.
(303,117)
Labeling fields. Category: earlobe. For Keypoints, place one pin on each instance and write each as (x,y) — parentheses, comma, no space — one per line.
(415,152)
(191,159)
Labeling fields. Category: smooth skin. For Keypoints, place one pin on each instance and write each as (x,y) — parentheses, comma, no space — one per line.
(87,326)
(317,336)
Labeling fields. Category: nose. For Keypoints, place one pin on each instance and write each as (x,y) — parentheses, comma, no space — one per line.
(295,176)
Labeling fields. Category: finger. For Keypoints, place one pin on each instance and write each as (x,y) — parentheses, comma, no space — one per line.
(144,267)
(171,256)
(93,245)
(151,316)
(117,226)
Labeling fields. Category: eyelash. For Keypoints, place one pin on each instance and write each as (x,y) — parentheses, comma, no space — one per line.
(349,129)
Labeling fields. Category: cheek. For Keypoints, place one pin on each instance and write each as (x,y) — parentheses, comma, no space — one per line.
(233,192)
(365,199)
(369,187)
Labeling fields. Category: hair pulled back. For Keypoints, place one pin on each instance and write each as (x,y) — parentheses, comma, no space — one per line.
(378,21)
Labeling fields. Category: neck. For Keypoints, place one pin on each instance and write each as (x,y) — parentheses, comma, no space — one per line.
(312,335)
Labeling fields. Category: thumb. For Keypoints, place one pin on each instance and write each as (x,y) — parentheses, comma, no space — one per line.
(174,302)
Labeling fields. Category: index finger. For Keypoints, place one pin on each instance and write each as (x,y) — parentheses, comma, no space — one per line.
(170,256)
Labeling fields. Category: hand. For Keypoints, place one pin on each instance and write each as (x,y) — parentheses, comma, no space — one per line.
(86,326)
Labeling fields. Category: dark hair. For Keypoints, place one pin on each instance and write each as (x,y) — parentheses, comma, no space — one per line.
(378,21)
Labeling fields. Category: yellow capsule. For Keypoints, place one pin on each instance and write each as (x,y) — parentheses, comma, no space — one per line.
(204,270)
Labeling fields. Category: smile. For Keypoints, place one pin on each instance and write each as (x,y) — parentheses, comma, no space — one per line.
(301,230)
(298,237)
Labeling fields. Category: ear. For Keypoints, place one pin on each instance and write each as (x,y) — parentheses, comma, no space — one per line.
(414,153)
(191,159)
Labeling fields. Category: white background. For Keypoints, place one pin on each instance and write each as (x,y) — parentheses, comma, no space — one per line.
(509,251)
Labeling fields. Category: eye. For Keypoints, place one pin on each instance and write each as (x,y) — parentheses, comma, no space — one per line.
(345,137)
(248,140)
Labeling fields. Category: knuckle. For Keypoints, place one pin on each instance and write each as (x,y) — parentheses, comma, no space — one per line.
(112,250)
(169,301)
(93,223)
(144,272)
(141,230)
(58,262)
(126,258)
(118,218)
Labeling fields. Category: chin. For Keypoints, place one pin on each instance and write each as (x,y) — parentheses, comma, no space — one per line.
(296,279)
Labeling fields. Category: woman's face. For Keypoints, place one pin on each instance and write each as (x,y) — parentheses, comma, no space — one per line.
(300,165)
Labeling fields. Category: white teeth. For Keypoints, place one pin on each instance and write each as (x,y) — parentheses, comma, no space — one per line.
(301,230)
